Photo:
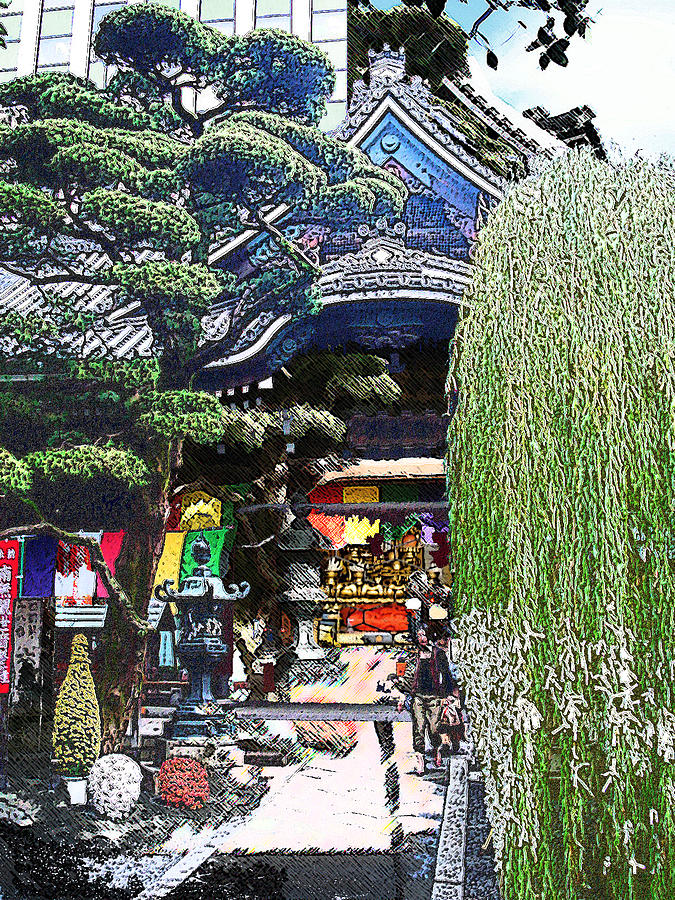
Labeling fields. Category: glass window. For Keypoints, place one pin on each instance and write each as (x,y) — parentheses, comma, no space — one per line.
(7,75)
(9,56)
(54,52)
(56,22)
(12,27)
(335,113)
(273,8)
(336,51)
(328,5)
(329,26)
(217,9)
(281,22)
(97,73)
(101,10)
(57,4)
(224,27)
(340,92)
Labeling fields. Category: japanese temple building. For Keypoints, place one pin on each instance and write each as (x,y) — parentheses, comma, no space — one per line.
(367,559)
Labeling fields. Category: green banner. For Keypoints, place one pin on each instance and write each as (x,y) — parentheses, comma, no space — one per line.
(217,539)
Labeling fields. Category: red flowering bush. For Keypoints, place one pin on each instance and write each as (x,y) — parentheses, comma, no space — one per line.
(183,782)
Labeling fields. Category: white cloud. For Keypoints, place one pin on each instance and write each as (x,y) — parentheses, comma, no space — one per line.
(624,70)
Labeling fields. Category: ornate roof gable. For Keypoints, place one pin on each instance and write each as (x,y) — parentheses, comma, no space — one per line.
(413,103)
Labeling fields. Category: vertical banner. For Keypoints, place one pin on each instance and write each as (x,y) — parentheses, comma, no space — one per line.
(74,580)
(39,563)
(111,544)
(168,567)
(9,590)
(27,637)
(199,510)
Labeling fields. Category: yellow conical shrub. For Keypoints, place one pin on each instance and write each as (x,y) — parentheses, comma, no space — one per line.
(77,721)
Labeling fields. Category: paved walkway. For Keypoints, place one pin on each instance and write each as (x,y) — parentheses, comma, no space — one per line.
(339,804)
(324,803)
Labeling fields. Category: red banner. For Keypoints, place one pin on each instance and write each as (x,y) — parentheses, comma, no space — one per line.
(9,590)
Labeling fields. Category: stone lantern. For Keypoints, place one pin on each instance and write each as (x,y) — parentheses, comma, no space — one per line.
(200,601)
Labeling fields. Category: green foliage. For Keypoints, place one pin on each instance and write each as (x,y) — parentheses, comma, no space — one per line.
(341,381)
(247,166)
(172,415)
(435,48)
(130,374)
(152,38)
(26,90)
(371,391)
(23,204)
(355,187)
(77,722)
(264,69)
(14,473)
(90,461)
(138,220)
(561,489)
(87,104)
(170,281)
(271,70)
(93,165)
(307,421)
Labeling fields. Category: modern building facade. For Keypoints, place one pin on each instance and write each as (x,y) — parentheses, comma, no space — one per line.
(57,35)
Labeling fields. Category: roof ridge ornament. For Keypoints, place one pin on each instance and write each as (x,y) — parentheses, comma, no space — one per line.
(396,230)
(387,66)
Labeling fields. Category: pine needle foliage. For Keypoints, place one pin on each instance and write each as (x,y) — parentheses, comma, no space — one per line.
(77,722)
(14,473)
(561,476)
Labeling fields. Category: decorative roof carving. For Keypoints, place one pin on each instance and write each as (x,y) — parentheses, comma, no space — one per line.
(388,78)
(385,265)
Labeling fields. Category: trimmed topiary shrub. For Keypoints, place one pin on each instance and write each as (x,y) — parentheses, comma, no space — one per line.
(115,785)
(183,782)
(77,722)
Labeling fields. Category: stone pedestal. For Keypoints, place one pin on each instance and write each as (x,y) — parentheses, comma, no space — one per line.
(307,647)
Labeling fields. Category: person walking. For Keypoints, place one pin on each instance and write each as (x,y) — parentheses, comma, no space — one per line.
(428,683)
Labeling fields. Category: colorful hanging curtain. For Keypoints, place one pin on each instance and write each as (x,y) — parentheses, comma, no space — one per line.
(391,532)
(111,544)
(360,493)
(74,579)
(39,564)
(358,530)
(332,526)
(173,522)
(217,539)
(391,617)
(10,558)
(199,510)
(399,492)
(432,522)
(168,568)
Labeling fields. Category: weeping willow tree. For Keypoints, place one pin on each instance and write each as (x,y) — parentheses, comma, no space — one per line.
(562,486)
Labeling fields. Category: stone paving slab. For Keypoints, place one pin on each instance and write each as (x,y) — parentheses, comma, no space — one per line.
(449,877)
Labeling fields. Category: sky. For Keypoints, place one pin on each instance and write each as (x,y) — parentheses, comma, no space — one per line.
(624,69)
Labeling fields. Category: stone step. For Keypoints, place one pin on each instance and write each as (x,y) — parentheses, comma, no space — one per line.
(265,758)
(157,712)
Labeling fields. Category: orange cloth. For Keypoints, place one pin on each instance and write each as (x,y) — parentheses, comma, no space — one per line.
(391,617)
